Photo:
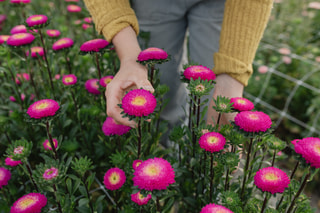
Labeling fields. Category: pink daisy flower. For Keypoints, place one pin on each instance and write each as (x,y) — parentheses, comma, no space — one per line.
(104,81)
(263,69)
(43,108)
(37,51)
(241,104)
(199,71)
(136,163)
(139,199)
(18,29)
(309,149)
(92,86)
(57,77)
(286,60)
(284,51)
(154,174)
(212,142)
(69,79)
(253,121)
(110,127)
(5,176)
(152,53)
(94,45)
(114,178)
(50,173)
(73,8)
(271,180)
(22,77)
(20,39)
(20,1)
(214,208)
(62,43)
(36,20)
(47,146)
(13,99)
(18,150)
(86,26)
(32,202)
(3,38)
(9,162)
(53,33)
(295,141)
(88,20)
(139,102)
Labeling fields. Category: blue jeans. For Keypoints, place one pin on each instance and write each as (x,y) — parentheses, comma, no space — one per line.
(169,21)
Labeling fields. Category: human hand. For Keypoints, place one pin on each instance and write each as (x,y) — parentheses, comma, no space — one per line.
(226,86)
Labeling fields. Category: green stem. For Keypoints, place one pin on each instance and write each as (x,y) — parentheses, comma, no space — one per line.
(55,196)
(139,138)
(264,203)
(51,140)
(31,177)
(246,168)
(273,158)
(211,177)
(98,65)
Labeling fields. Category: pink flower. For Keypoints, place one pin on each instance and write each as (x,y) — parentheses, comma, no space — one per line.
(241,104)
(94,45)
(88,20)
(110,127)
(139,102)
(309,149)
(20,39)
(295,141)
(37,51)
(47,146)
(73,8)
(22,77)
(263,69)
(3,38)
(152,53)
(12,163)
(32,202)
(253,121)
(22,96)
(5,176)
(271,180)
(104,81)
(43,108)
(284,51)
(18,29)
(50,173)
(62,43)
(20,1)
(212,142)
(314,5)
(199,71)
(13,99)
(3,17)
(154,174)
(114,178)
(36,20)
(214,208)
(92,86)
(57,77)
(286,59)
(136,163)
(139,199)
(70,79)
(53,33)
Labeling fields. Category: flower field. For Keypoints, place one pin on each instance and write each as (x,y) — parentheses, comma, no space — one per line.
(59,152)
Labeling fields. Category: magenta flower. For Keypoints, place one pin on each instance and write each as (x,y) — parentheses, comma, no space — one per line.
(22,77)
(9,162)
(152,53)
(13,99)
(212,142)
(37,51)
(309,149)
(154,174)
(139,102)
(241,104)
(18,29)
(20,1)
(62,43)
(32,202)
(51,173)
(199,71)
(53,33)
(88,20)
(110,127)
(43,108)
(70,79)
(253,121)
(139,199)
(73,8)
(36,20)
(114,178)
(92,86)
(3,38)
(104,81)
(136,163)
(271,180)
(5,176)
(20,39)
(94,45)
(85,26)
(3,17)
(214,208)
(47,146)
(295,141)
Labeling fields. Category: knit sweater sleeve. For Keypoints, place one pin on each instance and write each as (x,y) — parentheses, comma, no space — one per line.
(242,29)
(111,16)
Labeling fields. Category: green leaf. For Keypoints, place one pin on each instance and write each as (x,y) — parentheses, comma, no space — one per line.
(83,202)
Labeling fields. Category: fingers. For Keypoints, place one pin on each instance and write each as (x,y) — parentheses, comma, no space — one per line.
(146,85)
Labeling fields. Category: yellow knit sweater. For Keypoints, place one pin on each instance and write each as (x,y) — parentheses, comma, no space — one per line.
(242,29)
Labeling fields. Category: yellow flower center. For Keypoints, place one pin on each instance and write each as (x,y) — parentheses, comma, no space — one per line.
(107,80)
(271,176)
(26,202)
(317,148)
(253,117)
(60,42)
(68,79)
(20,36)
(240,101)
(152,49)
(138,164)
(36,18)
(197,69)
(42,105)
(139,101)
(141,196)
(212,140)
(114,178)
(200,88)
(36,49)
(152,170)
